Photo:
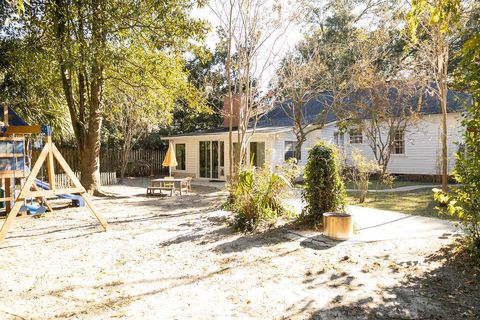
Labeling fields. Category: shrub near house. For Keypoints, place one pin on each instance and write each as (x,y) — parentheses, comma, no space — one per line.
(324,190)
(255,196)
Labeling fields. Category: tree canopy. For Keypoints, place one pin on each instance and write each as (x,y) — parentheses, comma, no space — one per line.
(90,46)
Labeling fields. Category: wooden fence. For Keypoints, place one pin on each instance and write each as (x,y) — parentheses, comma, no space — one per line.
(142,162)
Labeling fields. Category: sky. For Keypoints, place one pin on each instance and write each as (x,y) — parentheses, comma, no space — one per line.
(285,41)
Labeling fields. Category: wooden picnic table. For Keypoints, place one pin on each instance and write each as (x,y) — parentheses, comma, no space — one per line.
(166,184)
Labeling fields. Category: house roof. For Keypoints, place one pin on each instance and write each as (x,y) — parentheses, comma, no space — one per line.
(13,118)
(456,102)
(430,103)
(220,131)
(278,118)
(312,110)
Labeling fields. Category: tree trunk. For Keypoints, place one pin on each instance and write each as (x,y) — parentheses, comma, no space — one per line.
(85,108)
(127,149)
(443,95)
(298,148)
(228,69)
(444,136)
(90,156)
(124,164)
(90,169)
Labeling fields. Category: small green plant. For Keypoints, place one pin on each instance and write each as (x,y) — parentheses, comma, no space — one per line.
(290,170)
(387,180)
(324,190)
(361,173)
(256,196)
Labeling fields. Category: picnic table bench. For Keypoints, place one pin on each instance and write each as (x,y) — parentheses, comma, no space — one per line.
(168,184)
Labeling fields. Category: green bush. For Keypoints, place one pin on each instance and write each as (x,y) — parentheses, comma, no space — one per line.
(361,173)
(463,202)
(256,196)
(324,190)
(290,170)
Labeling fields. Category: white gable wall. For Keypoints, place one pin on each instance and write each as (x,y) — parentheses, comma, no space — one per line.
(423,147)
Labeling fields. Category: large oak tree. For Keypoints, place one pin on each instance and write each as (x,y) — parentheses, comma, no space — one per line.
(85,40)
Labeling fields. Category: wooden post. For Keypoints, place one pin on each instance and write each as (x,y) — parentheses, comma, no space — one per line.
(8,204)
(7,181)
(77,184)
(5,114)
(50,165)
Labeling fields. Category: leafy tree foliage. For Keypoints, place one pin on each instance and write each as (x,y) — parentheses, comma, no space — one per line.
(137,110)
(37,101)
(89,44)
(431,24)
(206,73)
(464,201)
(334,33)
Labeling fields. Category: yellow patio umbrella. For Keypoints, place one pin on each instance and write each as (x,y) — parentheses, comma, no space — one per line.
(170,159)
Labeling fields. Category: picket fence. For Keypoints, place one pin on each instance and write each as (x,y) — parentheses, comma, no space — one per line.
(106,179)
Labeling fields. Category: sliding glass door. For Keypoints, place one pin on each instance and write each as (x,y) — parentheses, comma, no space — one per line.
(215,162)
(211,159)
(205,162)
(257,154)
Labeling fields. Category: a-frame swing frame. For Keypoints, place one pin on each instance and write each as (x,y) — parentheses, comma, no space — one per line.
(49,153)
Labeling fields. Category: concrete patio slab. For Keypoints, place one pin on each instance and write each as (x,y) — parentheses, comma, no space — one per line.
(209,183)
(380,225)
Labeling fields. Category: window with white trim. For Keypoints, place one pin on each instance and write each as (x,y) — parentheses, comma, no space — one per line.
(399,142)
(339,138)
(290,150)
(356,135)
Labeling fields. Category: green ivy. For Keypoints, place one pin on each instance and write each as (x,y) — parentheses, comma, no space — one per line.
(324,190)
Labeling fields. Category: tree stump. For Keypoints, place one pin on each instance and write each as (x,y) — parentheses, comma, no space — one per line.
(338,226)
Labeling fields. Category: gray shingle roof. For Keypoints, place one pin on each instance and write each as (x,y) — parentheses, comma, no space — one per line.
(278,119)
(313,109)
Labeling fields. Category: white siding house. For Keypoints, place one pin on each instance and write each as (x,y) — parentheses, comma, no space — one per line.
(205,154)
(422,149)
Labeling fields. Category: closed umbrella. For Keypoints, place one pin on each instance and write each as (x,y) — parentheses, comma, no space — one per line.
(170,159)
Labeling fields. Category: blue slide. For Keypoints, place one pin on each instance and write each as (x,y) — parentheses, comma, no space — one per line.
(77,201)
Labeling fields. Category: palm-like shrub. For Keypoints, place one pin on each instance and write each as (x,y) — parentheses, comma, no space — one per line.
(324,190)
(256,196)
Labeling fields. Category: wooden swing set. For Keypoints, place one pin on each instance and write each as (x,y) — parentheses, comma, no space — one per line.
(13,148)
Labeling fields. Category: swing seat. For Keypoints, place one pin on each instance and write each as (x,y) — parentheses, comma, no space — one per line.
(33,210)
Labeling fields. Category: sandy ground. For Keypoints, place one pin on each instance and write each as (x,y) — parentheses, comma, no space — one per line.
(177,258)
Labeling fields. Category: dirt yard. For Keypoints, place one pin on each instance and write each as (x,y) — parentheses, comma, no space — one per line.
(177,258)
